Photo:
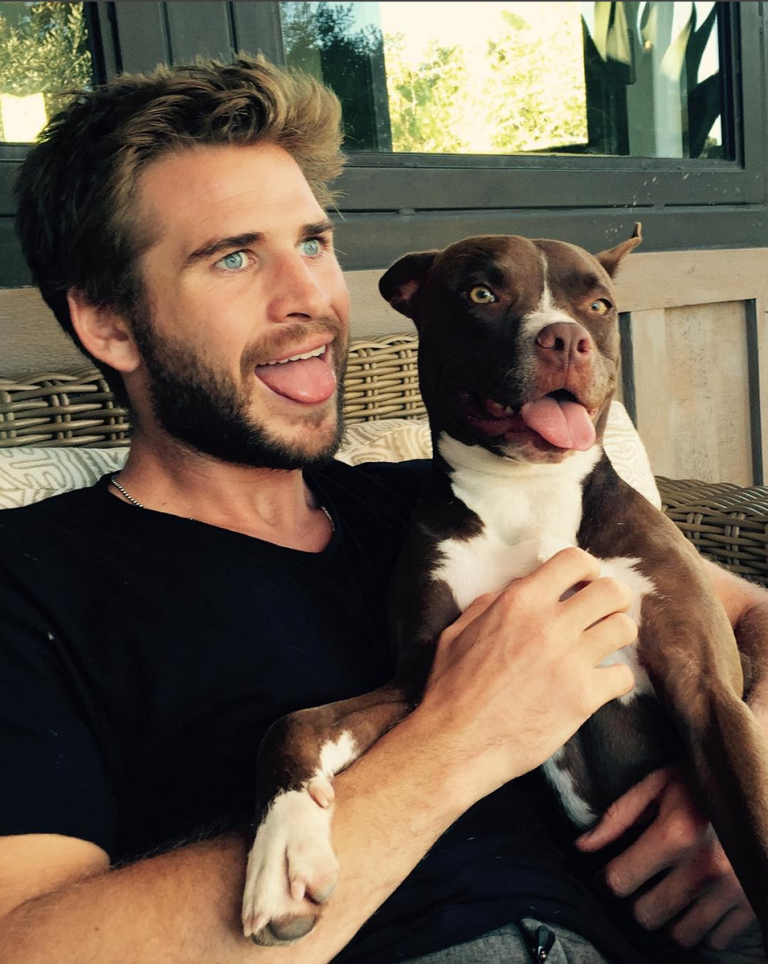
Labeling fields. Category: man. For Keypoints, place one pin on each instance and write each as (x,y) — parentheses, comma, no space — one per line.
(155,625)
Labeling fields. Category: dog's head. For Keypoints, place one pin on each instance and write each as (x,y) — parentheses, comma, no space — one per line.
(518,340)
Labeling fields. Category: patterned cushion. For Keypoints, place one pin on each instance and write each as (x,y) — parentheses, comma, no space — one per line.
(627,454)
(396,439)
(30,474)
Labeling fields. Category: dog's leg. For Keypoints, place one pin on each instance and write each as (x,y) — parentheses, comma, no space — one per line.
(751,636)
(292,868)
(728,749)
(730,759)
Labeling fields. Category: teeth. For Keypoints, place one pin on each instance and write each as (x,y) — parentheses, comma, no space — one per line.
(317,353)
(497,409)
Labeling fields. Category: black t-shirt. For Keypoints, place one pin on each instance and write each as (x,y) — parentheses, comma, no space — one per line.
(143,656)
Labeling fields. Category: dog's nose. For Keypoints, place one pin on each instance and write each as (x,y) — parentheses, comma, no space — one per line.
(569,342)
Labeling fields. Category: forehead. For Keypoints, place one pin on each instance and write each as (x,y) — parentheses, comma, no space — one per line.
(527,265)
(493,252)
(572,269)
(225,188)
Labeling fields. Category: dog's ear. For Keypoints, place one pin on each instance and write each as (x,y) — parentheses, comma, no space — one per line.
(612,258)
(399,284)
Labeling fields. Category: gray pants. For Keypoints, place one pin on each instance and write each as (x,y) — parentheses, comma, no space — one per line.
(531,942)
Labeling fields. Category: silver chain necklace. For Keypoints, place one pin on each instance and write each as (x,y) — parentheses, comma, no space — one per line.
(123,491)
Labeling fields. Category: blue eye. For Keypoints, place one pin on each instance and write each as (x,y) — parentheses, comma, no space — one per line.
(233,261)
(311,247)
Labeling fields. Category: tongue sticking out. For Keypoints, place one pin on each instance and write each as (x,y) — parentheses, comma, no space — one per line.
(309,381)
(564,423)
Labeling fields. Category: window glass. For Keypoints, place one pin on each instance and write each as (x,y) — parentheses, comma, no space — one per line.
(43,52)
(638,79)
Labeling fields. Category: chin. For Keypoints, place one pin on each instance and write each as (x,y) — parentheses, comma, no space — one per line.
(310,443)
(533,449)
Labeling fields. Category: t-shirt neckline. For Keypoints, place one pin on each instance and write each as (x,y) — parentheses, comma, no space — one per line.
(186,524)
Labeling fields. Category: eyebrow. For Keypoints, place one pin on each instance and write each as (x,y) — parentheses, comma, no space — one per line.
(231,243)
(236,241)
(319,227)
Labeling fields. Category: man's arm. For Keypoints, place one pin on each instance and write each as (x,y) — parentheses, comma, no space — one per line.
(487,716)
(184,906)
(700,891)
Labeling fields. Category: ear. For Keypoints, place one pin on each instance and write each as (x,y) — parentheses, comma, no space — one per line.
(400,283)
(105,334)
(612,258)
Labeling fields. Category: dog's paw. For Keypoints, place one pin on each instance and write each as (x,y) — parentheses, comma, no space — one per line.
(291,867)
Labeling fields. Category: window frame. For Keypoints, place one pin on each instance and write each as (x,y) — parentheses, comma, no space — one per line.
(391,202)
(407,181)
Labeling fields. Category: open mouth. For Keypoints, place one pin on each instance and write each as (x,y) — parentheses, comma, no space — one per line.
(558,418)
(306,377)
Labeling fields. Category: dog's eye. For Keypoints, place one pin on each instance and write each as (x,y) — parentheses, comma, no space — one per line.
(600,307)
(482,295)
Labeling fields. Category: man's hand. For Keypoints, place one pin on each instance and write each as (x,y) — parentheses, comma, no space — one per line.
(699,897)
(517,674)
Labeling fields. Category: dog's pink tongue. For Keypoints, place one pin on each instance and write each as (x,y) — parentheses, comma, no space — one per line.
(565,424)
(309,380)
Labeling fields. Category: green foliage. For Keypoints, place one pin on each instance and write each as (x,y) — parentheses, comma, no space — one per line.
(44,51)
(321,40)
(427,104)
(536,89)
(441,104)
(529,94)
(47,52)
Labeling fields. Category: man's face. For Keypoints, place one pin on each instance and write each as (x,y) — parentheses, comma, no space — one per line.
(242,278)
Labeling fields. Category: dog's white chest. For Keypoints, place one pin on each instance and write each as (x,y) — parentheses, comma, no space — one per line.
(528,513)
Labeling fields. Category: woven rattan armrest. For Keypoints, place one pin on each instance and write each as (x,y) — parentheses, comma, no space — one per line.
(77,408)
(726,523)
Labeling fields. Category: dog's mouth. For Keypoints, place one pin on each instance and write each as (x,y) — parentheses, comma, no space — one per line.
(558,417)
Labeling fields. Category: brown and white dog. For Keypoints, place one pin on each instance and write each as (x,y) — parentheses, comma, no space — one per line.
(518,362)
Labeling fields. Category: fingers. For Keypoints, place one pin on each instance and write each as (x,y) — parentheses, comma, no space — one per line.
(562,572)
(613,681)
(703,873)
(679,832)
(601,598)
(717,917)
(609,634)
(651,853)
(624,812)
(699,893)
(739,922)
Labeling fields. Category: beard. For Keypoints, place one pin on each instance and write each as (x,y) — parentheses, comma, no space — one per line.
(203,407)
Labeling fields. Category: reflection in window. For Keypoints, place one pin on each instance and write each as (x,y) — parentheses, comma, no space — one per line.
(653,79)
(43,52)
(639,79)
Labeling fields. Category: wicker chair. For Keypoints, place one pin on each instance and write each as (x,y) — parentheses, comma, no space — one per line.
(727,523)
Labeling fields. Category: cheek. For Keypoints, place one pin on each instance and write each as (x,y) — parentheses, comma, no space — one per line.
(338,293)
(341,304)
(607,339)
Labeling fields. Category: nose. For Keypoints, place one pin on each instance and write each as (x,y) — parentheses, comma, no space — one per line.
(298,291)
(565,344)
